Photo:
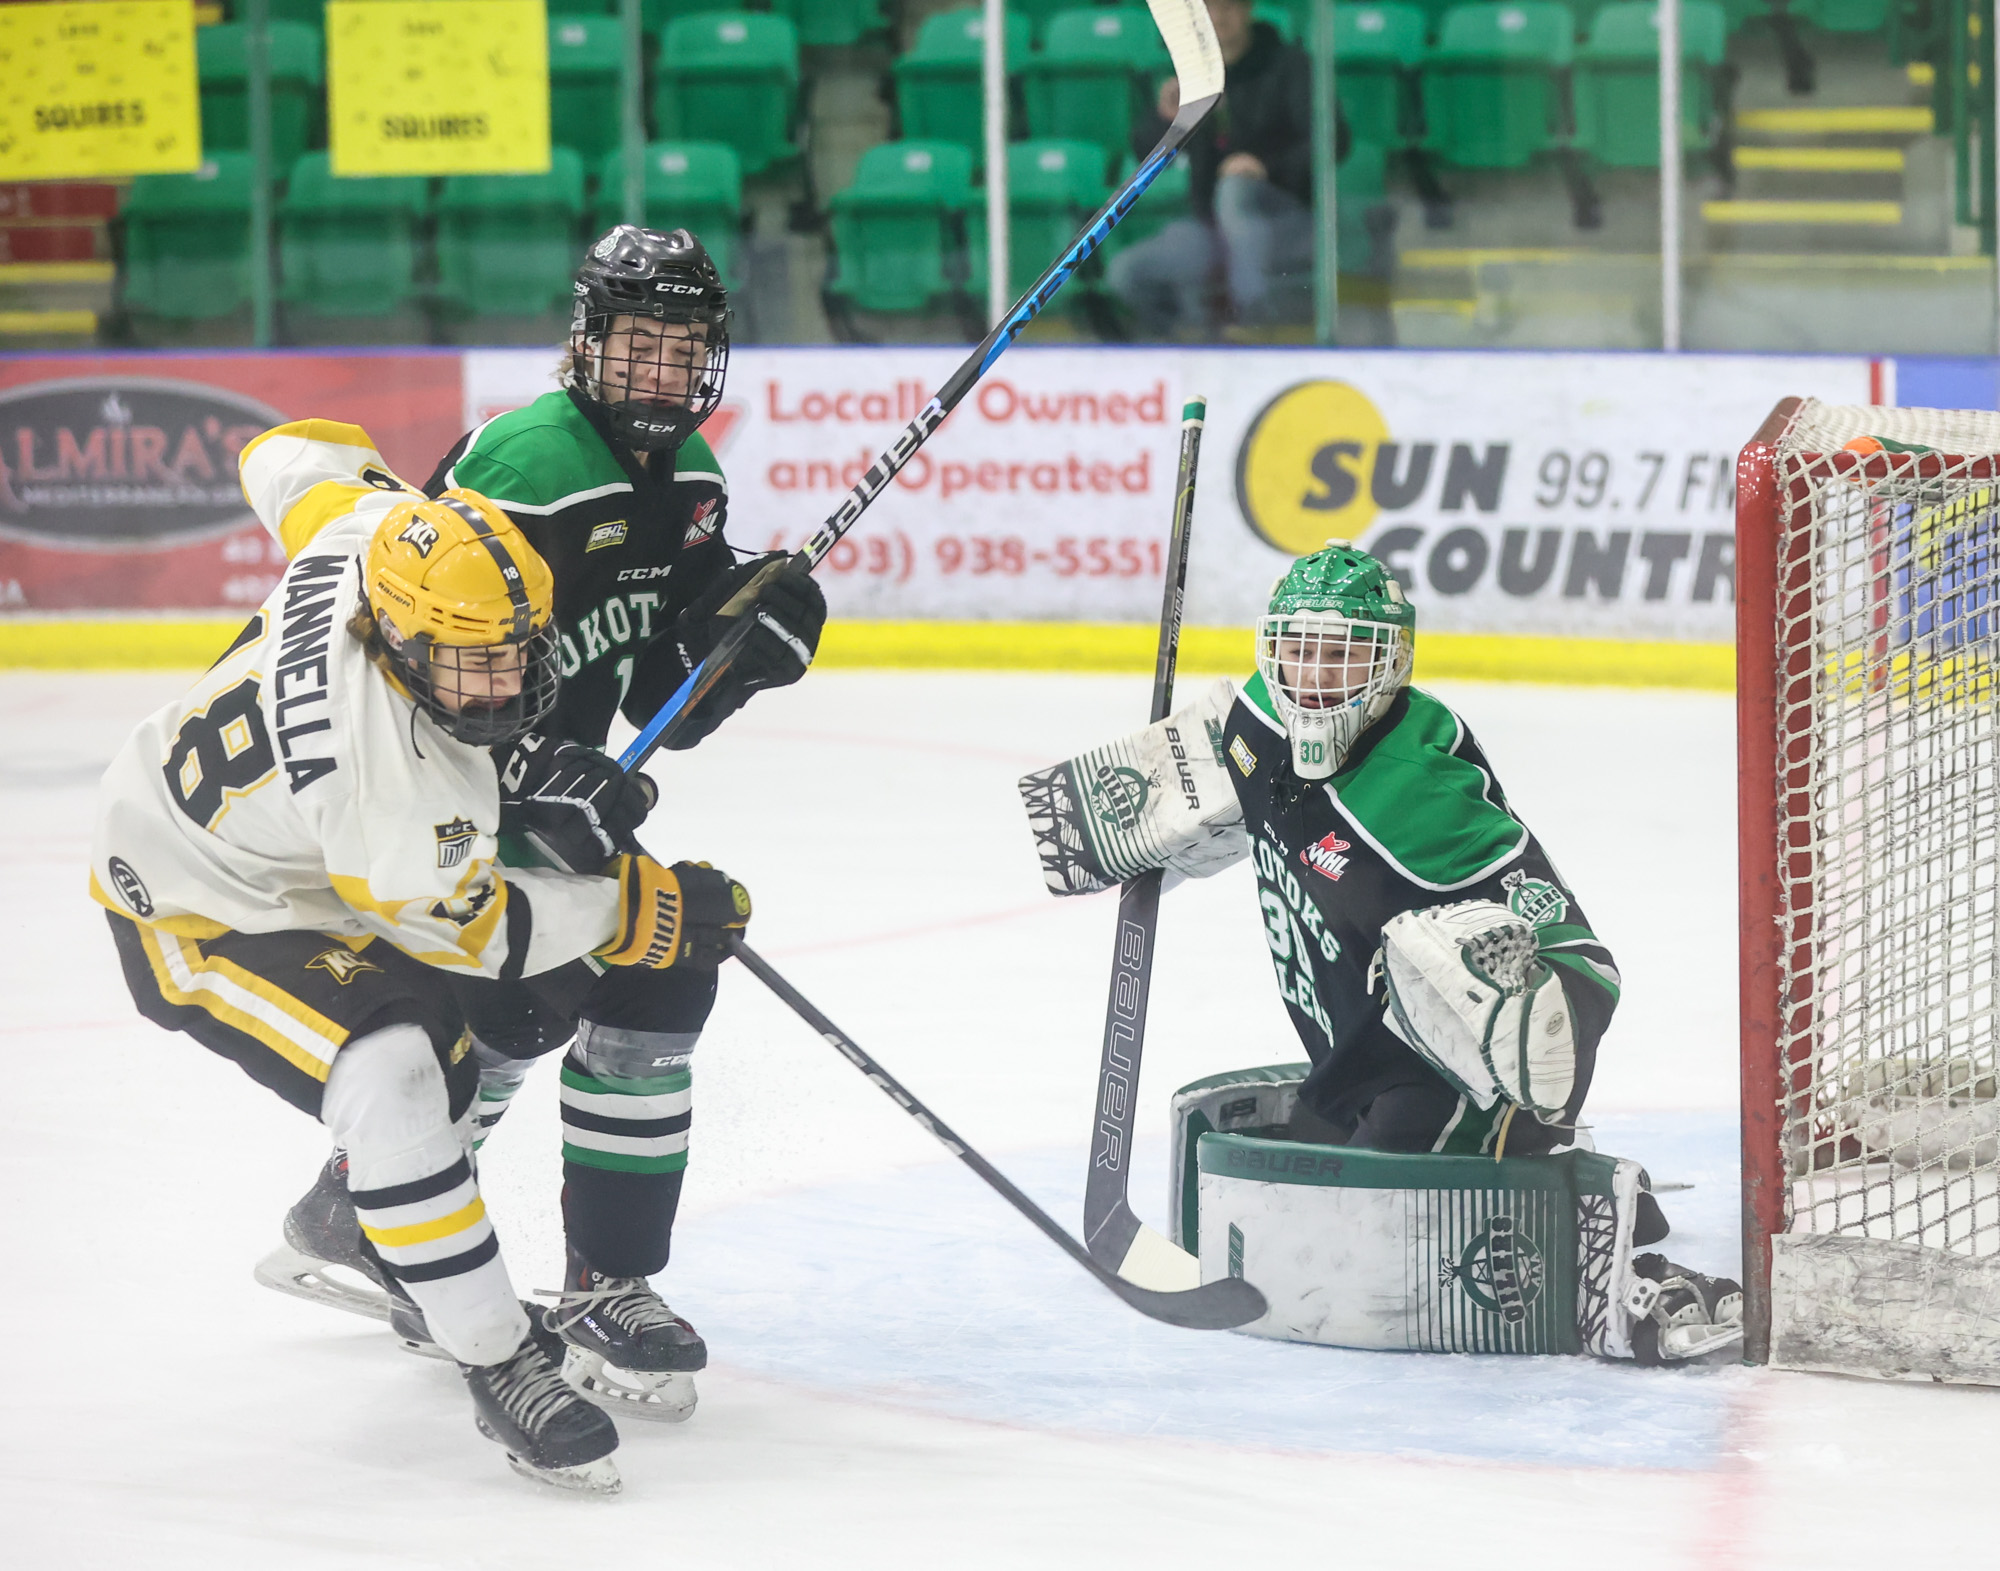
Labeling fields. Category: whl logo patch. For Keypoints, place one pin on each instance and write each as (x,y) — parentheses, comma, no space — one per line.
(1324,856)
(707,519)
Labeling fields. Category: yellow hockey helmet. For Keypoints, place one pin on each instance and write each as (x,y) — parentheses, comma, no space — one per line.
(464,614)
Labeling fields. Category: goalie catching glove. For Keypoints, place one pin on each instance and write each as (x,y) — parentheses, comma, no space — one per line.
(1470,994)
(679,915)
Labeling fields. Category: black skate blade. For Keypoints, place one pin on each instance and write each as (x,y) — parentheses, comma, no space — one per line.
(287,1270)
(599,1478)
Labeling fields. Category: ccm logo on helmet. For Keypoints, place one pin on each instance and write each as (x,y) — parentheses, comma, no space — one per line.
(666,286)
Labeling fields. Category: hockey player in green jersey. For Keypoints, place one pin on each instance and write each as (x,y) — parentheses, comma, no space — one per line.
(1445,983)
(611,480)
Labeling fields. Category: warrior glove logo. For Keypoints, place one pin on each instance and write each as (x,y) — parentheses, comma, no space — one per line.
(666,928)
(454,840)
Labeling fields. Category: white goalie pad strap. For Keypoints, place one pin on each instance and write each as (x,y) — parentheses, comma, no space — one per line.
(1607,1297)
(1469,994)
(1160,798)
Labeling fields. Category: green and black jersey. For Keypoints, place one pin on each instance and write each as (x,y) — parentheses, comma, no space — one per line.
(631,541)
(1413,819)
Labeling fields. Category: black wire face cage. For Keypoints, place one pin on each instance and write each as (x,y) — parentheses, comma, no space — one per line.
(484,715)
(656,379)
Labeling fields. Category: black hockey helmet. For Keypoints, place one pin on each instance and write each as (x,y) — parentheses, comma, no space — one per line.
(658,380)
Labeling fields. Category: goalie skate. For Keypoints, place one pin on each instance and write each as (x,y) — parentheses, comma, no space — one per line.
(321,1259)
(1679,1314)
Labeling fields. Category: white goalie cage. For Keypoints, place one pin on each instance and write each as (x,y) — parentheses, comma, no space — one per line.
(1868,737)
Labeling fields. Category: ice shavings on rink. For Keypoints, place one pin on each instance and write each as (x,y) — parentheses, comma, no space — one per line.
(922,1288)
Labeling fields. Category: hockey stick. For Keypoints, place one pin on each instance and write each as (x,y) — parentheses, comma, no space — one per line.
(1217,1306)
(1116,1237)
(1197,62)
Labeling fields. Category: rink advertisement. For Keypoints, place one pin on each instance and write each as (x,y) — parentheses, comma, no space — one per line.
(118,486)
(1577,495)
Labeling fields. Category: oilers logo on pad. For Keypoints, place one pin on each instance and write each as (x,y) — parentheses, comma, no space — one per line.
(1501,1270)
(1118,796)
(1533,900)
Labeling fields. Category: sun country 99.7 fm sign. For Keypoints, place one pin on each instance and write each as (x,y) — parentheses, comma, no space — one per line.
(1568,494)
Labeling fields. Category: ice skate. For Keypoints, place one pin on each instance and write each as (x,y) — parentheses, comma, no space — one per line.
(627,1351)
(1681,1314)
(321,1258)
(413,1332)
(551,1435)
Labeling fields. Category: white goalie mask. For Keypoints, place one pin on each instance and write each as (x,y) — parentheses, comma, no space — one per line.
(1334,650)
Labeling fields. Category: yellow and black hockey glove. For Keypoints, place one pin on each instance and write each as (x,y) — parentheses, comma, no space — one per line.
(679,915)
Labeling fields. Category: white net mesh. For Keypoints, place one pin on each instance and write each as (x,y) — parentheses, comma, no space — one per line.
(1888,598)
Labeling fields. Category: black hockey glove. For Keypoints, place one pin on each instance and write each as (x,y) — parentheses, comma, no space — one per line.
(787,611)
(576,802)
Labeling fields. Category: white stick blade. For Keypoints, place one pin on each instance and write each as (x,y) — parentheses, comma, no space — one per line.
(1153,1262)
(1190,38)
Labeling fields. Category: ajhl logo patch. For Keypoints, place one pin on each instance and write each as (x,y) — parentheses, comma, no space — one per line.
(1324,856)
(342,964)
(454,840)
(1534,900)
(129,886)
(1241,756)
(603,535)
(1500,1270)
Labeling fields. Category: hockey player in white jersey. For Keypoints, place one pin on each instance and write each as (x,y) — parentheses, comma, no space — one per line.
(293,851)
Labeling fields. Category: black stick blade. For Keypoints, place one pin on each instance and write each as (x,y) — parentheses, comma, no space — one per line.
(1214,1306)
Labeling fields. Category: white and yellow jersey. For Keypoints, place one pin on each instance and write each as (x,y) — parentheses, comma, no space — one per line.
(295,787)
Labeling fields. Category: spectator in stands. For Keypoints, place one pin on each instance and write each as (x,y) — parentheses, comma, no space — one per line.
(1250,170)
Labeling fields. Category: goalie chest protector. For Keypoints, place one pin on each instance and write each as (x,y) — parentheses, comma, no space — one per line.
(1379,1250)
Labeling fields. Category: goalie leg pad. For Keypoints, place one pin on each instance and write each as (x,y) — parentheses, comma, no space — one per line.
(1471,997)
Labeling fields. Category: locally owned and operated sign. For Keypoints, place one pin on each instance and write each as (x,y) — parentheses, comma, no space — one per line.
(437,87)
(1559,494)
(98,89)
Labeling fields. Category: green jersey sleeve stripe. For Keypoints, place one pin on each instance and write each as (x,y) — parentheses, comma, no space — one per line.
(542,509)
(1257,697)
(1474,877)
(703,474)
(1590,971)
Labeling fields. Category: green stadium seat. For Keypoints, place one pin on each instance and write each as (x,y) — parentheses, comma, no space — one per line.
(655,16)
(1052,188)
(835,22)
(940,92)
(697,186)
(1290,28)
(1492,88)
(1097,69)
(896,228)
(348,247)
(730,76)
(187,240)
(312,13)
(1617,81)
(223,64)
(1377,50)
(1039,12)
(507,244)
(585,53)
(1843,16)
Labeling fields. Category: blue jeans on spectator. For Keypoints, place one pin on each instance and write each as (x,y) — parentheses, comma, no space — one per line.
(1261,242)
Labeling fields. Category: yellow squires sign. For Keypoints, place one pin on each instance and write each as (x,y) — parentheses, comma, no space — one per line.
(437,87)
(98,89)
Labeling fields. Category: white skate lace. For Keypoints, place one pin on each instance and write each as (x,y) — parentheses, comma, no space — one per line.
(530,1390)
(627,1301)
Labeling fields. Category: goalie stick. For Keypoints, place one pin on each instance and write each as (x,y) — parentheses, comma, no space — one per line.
(1116,1238)
(1217,1306)
(1197,62)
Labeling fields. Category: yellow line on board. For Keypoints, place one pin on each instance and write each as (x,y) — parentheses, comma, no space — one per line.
(1878,119)
(77,644)
(1786,212)
(16,324)
(1838,160)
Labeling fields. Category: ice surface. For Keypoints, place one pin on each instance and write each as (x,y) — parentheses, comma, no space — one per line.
(905,1374)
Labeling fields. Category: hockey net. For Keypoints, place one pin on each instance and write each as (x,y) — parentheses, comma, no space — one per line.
(1868,629)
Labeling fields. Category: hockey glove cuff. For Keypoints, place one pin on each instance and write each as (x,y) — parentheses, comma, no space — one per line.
(575,803)
(679,915)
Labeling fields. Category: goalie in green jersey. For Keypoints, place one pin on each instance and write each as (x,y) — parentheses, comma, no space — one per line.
(1448,989)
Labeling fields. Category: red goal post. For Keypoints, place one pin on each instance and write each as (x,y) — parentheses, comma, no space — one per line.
(1868,748)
